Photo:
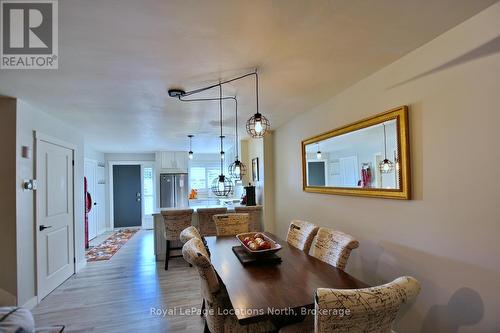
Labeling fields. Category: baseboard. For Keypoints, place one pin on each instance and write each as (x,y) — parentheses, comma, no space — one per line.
(80,265)
(31,303)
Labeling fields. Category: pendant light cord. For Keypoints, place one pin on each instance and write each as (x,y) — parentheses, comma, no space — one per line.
(221,138)
(385,143)
(257,90)
(236,143)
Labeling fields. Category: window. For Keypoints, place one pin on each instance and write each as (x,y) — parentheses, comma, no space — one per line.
(148,191)
(202,175)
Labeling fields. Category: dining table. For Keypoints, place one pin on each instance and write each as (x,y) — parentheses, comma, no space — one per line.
(260,291)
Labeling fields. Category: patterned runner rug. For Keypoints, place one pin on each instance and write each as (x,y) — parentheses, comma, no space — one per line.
(110,246)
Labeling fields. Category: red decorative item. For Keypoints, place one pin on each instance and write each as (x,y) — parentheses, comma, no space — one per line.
(88,207)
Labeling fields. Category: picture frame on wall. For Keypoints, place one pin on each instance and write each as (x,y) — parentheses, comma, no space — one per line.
(255,169)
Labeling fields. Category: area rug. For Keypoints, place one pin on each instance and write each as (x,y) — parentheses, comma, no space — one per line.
(110,246)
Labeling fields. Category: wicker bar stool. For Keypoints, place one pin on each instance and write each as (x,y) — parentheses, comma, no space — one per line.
(175,221)
(206,224)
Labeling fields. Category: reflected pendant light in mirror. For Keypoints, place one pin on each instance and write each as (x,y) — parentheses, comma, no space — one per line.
(222,186)
(190,154)
(318,153)
(257,125)
(237,169)
(386,166)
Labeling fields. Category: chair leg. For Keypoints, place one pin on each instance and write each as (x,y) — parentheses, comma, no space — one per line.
(202,307)
(167,254)
(206,330)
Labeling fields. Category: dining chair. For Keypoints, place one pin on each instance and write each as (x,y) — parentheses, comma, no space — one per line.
(255,216)
(367,310)
(231,224)
(206,224)
(175,221)
(333,247)
(188,233)
(218,317)
(301,234)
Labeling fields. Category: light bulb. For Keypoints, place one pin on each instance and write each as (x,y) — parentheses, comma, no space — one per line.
(318,155)
(386,167)
(221,186)
(190,155)
(237,170)
(258,126)
(222,155)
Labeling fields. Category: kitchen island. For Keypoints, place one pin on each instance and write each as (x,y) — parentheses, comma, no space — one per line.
(159,226)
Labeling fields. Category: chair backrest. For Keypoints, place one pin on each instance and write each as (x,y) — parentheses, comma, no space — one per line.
(368,310)
(333,247)
(175,221)
(194,252)
(300,234)
(206,224)
(255,216)
(231,224)
(189,233)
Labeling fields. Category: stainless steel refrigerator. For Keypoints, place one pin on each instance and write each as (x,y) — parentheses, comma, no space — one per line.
(174,190)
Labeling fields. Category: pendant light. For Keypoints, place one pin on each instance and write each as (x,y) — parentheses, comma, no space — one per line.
(385,166)
(318,153)
(190,154)
(257,125)
(222,186)
(237,169)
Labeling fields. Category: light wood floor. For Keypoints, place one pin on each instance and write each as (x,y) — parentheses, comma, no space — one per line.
(117,295)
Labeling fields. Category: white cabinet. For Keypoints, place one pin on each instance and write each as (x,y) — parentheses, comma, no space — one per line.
(173,160)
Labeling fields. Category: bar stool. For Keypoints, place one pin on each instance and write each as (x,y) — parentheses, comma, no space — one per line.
(255,216)
(206,224)
(175,221)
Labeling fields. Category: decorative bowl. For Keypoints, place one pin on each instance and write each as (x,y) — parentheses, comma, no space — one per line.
(275,247)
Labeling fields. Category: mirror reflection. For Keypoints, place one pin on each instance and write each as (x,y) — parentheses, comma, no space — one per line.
(365,158)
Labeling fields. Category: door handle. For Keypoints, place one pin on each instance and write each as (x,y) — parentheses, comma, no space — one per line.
(43,227)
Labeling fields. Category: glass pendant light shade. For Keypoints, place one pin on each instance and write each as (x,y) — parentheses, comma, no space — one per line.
(190,154)
(318,155)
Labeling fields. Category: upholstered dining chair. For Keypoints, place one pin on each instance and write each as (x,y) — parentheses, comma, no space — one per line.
(175,221)
(333,247)
(301,234)
(231,224)
(206,224)
(189,233)
(367,310)
(255,216)
(214,294)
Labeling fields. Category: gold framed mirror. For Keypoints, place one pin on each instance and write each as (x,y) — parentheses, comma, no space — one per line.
(369,158)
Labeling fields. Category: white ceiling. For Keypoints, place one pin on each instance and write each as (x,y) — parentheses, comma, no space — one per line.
(117,58)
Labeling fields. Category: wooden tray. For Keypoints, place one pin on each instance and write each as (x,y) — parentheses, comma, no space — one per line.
(248,259)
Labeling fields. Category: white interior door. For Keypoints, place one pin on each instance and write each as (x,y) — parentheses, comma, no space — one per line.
(349,171)
(54,223)
(90,171)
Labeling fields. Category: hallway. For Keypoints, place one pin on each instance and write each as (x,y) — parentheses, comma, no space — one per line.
(117,295)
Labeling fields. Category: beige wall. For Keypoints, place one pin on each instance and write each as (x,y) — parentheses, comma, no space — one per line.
(448,235)
(8,272)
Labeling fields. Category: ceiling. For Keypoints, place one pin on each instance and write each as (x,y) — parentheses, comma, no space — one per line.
(117,58)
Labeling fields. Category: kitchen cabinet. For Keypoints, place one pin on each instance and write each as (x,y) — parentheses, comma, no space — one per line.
(173,160)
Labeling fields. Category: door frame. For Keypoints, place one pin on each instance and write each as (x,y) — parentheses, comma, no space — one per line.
(94,195)
(39,136)
(111,205)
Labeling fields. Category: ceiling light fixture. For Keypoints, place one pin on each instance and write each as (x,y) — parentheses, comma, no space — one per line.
(318,153)
(222,186)
(385,166)
(190,154)
(237,169)
(257,125)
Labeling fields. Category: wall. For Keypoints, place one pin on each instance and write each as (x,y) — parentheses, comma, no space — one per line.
(8,264)
(447,236)
(30,119)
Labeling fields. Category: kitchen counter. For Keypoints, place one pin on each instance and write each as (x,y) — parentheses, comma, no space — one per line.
(159,226)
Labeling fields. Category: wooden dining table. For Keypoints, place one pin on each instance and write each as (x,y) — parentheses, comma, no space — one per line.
(257,292)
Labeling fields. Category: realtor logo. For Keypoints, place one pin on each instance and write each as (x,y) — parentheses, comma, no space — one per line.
(29,34)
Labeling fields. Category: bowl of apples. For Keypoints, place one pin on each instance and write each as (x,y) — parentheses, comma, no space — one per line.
(258,243)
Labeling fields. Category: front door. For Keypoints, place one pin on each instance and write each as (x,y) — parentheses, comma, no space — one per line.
(127,196)
(54,211)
